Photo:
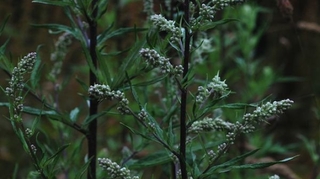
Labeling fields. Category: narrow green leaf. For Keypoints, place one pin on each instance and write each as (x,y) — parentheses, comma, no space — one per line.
(57,28)
(103,7)
(22,139)
(171,137)
(212,25)
(227,164)
(101,37)
(104,68)
(3,47)
(150,82)
(261,165)
(89,59)
(83,84)
(289,79)
(5,63)
(134,93)
(95,116)
(134,131)
(83,170)
(122,31)
(127,64)
(35,111)
(35,123)
(15,171)
(311,148)
(41,147)
(51,2)
(35,74)
(55,155)
(59,151)
(237,106)
(31,110)
(154,159)
(158,131)
(3,24)
(115,53)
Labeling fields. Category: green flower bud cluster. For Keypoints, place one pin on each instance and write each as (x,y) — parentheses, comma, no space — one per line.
(115,170)
(168,26)
(33,148)
(221,4)
(207,12)
(102,92)
(154,59)
(209,124)
(16,83)
(260,114)
(28,132)
(216,87)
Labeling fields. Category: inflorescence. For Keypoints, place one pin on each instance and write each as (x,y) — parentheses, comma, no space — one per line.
(221,4)
(61,48)
(154,59)
(168,26)
(16,83)
(209,124)
(102,92)
(260,114)
(208,11)
(115,170)
(215,87)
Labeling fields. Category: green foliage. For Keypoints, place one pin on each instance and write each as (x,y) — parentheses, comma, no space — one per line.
(149,93)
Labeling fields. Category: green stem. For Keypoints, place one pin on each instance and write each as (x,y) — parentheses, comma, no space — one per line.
(92,128)
(32,154)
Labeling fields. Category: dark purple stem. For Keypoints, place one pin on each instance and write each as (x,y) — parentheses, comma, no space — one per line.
(184,89)
(92,129)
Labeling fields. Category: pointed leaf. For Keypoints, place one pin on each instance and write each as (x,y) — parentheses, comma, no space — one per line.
(237,106)
(106,35)
(261,165)
(227,164)
(154,159)
(31,110)
(212,25)
(35,74)
(103,6)
(151,82)
(95,116)
(58,28)
(52,2)
(138,132)
(127,64)
(83,170)
(104,68)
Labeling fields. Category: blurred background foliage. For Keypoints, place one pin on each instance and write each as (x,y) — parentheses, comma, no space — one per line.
(272,50)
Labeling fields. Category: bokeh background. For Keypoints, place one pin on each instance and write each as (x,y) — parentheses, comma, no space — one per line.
(290,44)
